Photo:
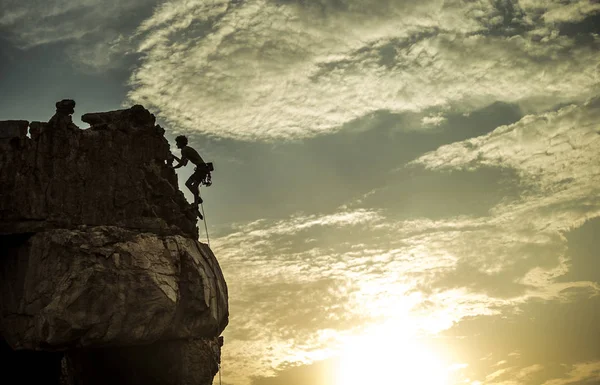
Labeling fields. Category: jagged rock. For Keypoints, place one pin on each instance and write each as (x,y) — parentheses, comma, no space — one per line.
(62,119)
(102,277)
(137,116)
(10,129)
(113,173)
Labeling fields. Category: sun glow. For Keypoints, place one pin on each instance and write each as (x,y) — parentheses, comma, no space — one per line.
(384,355)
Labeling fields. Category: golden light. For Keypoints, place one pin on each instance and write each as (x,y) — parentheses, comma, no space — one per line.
(386,355)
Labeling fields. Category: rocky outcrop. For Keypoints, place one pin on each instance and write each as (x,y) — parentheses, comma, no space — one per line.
(102,277)
(113,173)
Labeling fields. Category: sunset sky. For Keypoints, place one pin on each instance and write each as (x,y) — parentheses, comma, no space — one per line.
(405,192)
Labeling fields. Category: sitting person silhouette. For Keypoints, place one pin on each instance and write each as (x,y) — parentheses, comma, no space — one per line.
(200,172)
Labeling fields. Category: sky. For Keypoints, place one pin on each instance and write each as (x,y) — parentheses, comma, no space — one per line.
(404,192)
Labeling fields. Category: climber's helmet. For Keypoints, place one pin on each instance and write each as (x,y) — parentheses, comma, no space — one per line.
(181,141)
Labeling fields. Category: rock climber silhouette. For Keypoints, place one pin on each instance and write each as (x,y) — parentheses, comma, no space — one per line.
(201,171)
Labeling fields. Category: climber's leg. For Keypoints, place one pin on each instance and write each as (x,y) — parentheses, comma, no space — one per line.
(193,185)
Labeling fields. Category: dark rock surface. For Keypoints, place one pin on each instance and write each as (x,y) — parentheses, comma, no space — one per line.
(13,129)
(102,278)
(183,362)
(113,173)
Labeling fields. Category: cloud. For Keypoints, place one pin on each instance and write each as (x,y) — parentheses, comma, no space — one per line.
(582,373)
(307,177)
(537,342)
(582,250)
(434,120)
(302,284)
(92,33)
(436,194)
(288,303)
(294,69)
(265,70)
(319,373)
(554,154)
(431,273)
(275,321)
(296,303)
(299,295)
(569,12)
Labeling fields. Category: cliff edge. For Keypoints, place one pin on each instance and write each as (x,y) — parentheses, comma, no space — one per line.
(102,277)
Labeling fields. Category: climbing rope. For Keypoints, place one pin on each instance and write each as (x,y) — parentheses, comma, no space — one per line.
(205,225)
(218,362)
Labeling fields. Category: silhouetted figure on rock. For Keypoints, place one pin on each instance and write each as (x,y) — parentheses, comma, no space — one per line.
(201,172)
(62,118)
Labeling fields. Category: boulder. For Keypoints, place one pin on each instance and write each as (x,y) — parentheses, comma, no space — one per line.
(106,286)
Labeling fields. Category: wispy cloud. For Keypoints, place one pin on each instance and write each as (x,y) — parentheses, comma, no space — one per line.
(434,120)
(308,299)
(555,154)
(371,267)
(92,33)
(556,12)
(584,373)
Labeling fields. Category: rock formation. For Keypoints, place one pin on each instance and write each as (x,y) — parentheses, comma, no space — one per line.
(102,278)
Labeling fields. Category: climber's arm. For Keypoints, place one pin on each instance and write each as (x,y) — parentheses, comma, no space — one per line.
(181,162)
